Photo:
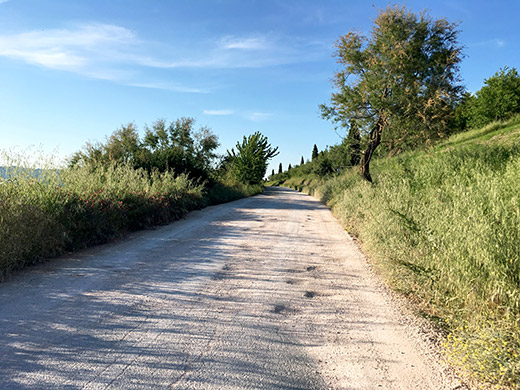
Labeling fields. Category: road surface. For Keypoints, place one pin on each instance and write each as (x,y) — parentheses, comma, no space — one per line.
(267,292)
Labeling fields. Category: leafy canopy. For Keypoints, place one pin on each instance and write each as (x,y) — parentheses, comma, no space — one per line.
(498,99)
(174,146)
(400,82)
(251,157)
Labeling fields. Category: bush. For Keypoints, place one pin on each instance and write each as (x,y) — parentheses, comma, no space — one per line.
(44,214)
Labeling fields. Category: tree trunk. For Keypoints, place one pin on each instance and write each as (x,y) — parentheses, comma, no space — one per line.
(374,139)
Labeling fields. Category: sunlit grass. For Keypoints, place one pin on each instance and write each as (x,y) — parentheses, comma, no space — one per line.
(444,227)
(47,209)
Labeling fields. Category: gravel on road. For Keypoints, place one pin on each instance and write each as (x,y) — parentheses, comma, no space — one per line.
(267,292)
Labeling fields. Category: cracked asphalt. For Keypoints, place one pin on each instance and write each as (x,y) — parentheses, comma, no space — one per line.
(267,292)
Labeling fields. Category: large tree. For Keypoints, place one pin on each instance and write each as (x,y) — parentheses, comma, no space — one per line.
(399,83)
(251,157)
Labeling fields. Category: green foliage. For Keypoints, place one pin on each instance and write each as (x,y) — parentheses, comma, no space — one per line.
(498,99)
(109,189)
(353,143)
(400,83)
(314,151)
(322,165)
(332,160)
(251,157)
(57,210)
(444,227)
(176,147)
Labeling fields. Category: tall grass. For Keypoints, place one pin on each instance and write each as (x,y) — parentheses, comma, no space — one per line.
(44,212)
(46,209)
(444,227)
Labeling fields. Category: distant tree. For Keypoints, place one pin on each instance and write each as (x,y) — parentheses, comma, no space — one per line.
(400,83)
(464,112)
(289,167)
(302,161)
(322,164)
(272,173)
(120,148)
(123,144)
(251,157)
(280,170)
(179,147)
(314,152)
(498,99)
(176,146)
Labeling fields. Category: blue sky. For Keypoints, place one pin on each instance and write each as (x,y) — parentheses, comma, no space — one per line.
(74,71)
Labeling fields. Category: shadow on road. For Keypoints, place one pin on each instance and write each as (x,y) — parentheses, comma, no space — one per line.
(200,304)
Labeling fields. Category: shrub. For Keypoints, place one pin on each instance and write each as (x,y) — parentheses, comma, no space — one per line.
(45,212)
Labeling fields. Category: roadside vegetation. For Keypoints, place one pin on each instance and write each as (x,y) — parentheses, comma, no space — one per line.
(438,212)
(443,227)
(108,189)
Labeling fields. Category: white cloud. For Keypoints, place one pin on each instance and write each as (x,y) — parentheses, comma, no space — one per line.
(167,87)
(99,51)
(3,1)
(66,49)
(260,116)
(495,42)
(219,112)
(256,43)
(115,53)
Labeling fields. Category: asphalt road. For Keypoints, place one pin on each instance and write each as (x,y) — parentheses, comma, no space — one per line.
(267,292)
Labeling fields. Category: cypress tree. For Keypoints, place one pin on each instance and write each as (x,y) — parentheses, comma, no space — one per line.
(314,152)
(302,161)
(280,168)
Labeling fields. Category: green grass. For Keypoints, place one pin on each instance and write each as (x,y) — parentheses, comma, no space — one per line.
(443,227)
(72,208)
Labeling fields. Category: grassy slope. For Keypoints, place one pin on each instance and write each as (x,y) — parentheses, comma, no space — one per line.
(443,227)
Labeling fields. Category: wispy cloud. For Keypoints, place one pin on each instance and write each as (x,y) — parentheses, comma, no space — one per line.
(66,49)
(3,1)
(255,43)
(168,87)
(115,53)
(99,51)
(495,42)
(233,52)
(259,116)
(219,112)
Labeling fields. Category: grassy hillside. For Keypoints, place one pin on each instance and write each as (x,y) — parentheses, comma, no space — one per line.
(443,227)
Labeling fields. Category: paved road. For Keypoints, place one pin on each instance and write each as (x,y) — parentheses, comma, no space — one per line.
(263,293)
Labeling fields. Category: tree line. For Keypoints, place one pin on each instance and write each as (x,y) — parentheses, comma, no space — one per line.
(180,148)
